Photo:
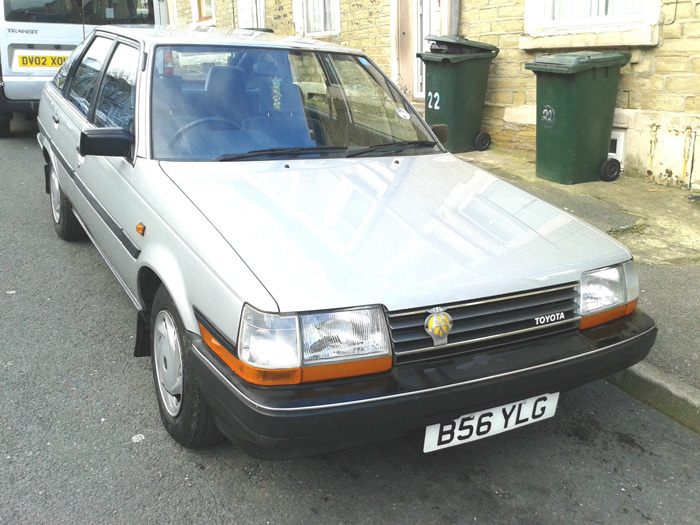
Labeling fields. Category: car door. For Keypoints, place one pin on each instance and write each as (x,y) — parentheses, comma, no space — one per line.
(69,117)
(107,180)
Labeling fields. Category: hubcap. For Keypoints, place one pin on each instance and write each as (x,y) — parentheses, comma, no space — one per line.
(55,192)
(168,362)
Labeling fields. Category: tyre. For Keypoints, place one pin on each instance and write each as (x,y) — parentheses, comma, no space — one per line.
(4,128)
(482,141)
(65,222)
(610,170)
(185,413)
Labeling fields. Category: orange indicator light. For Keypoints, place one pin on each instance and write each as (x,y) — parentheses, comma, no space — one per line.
(140,228)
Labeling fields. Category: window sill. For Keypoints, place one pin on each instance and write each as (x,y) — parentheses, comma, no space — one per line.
(322,34)
(610,36)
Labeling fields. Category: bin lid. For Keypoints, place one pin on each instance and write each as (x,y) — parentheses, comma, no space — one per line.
(456,49)
(576,61)
(459,44)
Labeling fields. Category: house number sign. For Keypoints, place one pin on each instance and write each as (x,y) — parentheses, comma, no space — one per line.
(434,102)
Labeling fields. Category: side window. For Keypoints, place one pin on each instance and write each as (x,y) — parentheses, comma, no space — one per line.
(84,82)
(60,79)
(117,96)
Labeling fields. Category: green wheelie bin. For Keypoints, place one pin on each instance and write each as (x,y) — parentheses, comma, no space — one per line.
(576,94)
(456,71)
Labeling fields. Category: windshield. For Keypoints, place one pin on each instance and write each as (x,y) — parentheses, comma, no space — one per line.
(230,103)
(91,12)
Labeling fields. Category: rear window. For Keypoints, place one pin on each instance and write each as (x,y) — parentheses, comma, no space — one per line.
(92,12)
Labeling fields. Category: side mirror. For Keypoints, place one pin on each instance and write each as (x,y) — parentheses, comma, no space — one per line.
(106,142)
(441,132)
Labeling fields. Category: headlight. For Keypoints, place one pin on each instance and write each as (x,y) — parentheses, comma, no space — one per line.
(268,340)
(290,349)
(607,294)
(344,336)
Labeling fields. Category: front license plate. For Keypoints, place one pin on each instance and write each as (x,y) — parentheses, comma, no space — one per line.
(489,422)
(40,61)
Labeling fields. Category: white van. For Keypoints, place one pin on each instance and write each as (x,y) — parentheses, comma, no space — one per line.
(37,36)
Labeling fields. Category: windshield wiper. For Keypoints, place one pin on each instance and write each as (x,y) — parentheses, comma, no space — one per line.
(405,144)
(282,152)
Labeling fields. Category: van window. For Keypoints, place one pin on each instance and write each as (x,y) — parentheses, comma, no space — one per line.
(91,12)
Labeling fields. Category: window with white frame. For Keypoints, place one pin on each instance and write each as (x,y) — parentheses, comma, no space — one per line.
(251,13)
(202,10)
(590,23)
(317,17)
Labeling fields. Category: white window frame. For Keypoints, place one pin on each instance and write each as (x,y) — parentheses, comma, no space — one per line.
(251,13)
(542,31)
(299,9)
(427,16)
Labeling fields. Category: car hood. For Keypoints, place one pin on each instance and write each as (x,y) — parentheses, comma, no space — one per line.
(403,232)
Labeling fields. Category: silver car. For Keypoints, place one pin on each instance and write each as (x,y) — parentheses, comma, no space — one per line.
(312,270)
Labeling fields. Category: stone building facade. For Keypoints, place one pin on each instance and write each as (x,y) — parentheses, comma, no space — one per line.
(658,102)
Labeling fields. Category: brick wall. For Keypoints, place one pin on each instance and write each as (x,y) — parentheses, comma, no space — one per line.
(658,99)
(184,12)
(500,23)
(279,16)
(365,25)
(224,13)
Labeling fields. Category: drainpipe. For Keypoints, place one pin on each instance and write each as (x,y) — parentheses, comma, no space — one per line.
(453,29)
(692,160)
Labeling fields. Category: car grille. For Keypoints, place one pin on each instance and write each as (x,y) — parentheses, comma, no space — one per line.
(485,323)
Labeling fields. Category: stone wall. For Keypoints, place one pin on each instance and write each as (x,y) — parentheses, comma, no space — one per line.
(279,16)
(224,13)
(365,25)
(501,23)
(658,99)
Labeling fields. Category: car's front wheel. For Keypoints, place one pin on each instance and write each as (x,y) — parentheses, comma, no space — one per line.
(185,413)
(65,222)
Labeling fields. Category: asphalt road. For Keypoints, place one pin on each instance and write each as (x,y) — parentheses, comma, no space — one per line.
(81,441)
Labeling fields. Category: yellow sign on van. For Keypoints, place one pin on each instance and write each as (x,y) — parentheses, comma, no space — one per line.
(41,61)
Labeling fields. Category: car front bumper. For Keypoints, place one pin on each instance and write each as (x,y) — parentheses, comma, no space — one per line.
(311,419)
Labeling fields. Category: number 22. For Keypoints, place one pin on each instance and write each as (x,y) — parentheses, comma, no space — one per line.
(434,97)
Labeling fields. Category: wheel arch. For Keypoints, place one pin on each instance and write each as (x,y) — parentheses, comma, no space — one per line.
(149,279)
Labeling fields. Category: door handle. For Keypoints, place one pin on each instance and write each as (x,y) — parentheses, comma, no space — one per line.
(56,119)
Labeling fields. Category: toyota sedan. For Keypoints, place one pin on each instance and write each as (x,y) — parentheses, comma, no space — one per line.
(312,271)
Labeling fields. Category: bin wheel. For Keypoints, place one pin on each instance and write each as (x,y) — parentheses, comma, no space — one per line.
(482,142)
(610,170)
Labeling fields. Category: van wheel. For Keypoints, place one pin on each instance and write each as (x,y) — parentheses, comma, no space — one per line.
(65,222)
(185,413)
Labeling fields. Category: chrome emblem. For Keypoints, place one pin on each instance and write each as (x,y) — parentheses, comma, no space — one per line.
(438,325)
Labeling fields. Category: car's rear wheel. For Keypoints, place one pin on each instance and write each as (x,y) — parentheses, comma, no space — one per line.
(65,222)
(4,128)
(184,411)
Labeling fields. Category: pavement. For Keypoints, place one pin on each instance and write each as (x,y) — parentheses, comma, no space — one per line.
(661,227)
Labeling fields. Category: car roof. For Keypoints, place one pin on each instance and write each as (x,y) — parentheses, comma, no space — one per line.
(172,35)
